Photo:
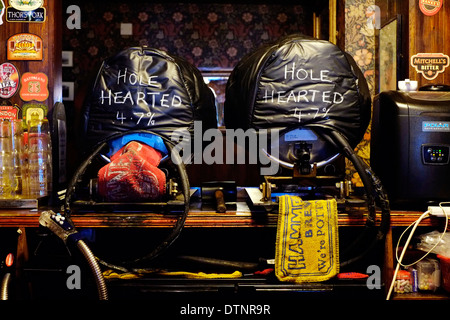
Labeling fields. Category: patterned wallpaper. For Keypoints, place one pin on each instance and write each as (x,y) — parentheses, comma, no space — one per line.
(207,35)
(360,24)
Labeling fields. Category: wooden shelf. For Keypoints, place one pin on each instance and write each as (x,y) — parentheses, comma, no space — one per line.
(422,296)
(198,217)
(241,217)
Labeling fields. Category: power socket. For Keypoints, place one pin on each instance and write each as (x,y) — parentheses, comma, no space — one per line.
(439,211)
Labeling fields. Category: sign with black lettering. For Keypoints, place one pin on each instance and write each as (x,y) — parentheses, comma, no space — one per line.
(430,65)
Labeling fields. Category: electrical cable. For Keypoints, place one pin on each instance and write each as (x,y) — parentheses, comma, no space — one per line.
(432,248)
(414,226)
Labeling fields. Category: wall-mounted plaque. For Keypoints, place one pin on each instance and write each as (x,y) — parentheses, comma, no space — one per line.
(24,46)
(34,87)
(9,80)
(430,7)
(430,64)
(26,5)
(25,11)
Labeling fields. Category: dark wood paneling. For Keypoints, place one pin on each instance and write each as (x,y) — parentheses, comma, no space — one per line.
(50,32)
(429,34)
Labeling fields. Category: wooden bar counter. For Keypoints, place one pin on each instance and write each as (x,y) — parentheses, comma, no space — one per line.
(242,217)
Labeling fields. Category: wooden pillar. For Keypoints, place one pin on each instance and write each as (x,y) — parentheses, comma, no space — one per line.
(429,34)
(51,33)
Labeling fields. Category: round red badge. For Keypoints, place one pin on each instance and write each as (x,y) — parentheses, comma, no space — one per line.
(430,7)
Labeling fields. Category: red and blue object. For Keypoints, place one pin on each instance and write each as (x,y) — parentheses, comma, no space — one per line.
(132,174)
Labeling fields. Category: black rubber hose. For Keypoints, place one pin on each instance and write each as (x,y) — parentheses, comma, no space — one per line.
(124,265)
(220,262)
(181,218)
(374,192)
(71,188)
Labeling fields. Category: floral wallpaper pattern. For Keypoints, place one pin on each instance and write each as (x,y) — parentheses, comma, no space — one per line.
(208,35)
(360,24)
(211,36)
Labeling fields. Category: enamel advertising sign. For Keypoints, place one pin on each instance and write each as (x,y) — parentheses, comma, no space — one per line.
(25,11)
(430,65)
(9,112)
(430,7)
(24,46)
(9,80)
(26,5)
(34,86)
